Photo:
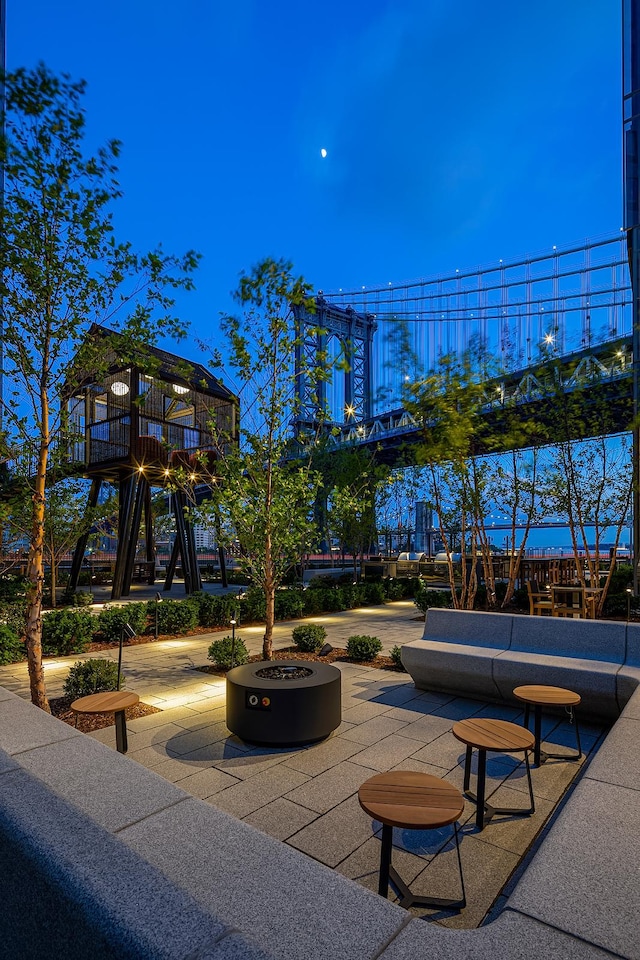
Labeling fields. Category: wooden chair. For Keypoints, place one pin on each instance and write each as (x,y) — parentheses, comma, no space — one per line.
(540,603)
(569,601)
(554,571)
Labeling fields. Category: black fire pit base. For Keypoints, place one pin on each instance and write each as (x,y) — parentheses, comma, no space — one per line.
(287,709)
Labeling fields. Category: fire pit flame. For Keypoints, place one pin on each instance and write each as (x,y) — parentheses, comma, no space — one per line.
(284,673)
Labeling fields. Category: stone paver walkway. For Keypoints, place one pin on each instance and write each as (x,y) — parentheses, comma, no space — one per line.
(307,797)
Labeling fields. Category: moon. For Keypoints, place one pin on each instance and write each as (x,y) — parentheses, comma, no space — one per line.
(323,153)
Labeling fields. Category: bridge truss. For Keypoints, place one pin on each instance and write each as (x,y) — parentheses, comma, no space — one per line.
(570,302)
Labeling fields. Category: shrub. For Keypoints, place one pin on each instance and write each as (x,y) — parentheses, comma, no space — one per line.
(396,656)
(12,587)
(289,604)
(220,653)
(374,593)
(309,637)
(363,647)
(347,596)
(81,599)
(621,578)
(617,605)
(175,616)
(330,599)
(322,582)
(12,648)
(432,598)
(312,602)
(111,620)
(91,676)
(520,598)
(254,607)
(411,586)
(67,631)
(12,614)
(394,589)
(215,611)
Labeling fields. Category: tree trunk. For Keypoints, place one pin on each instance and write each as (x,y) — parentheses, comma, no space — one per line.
(54,579)
(267,640)
(270,602)
(35,575)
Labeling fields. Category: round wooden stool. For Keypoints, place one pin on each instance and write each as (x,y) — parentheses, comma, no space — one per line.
(414,801)
(110,701)
(499,736)
(538,696)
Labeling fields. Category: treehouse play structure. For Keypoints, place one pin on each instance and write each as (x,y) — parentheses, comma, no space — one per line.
(149,419)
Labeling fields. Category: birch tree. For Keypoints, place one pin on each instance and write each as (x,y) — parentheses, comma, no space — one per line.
(62,268)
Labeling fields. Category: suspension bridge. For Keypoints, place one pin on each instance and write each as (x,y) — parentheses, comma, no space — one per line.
(572,305)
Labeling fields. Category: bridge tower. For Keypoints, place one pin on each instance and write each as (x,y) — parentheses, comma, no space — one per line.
(348,336)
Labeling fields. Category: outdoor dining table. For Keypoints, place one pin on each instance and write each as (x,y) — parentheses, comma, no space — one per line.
(574,600)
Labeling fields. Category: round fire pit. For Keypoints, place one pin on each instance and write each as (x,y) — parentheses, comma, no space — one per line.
(282,702)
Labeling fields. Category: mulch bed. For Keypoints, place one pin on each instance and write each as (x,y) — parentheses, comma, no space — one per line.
(337,654)
(87,722)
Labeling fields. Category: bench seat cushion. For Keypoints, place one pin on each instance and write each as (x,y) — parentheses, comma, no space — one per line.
(468,626)
(452,667)
(603,640)
(594,680)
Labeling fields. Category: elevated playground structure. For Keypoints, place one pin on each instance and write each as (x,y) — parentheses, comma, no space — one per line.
(142,422)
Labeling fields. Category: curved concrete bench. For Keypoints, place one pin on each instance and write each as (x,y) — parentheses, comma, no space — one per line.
(101,858)
(488,654)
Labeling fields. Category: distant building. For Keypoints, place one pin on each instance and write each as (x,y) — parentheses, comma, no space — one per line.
(204,538)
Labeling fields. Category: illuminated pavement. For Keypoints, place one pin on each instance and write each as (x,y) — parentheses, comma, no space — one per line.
(307,796)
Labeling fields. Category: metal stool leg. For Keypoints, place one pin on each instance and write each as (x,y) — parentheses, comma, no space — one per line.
(408,899)
(526,760)
(567,756)
(537,732)
(482,783)
(385,860)
(467,768)
(485,811)
(121,732)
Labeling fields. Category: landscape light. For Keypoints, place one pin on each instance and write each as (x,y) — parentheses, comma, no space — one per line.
(119,388)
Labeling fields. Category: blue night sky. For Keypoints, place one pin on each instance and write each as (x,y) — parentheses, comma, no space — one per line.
(456,133)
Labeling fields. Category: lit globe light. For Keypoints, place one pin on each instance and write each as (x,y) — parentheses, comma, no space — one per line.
(548,338)
(323,153)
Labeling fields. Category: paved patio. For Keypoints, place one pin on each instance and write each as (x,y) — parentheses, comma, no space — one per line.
(307,796)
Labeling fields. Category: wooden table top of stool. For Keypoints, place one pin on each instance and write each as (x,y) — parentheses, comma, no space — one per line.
(498,735)
(417,801)
(541,695)
(109,701)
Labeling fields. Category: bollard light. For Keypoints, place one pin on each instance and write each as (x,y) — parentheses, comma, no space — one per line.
(127,633)
(158,600)
(233,642)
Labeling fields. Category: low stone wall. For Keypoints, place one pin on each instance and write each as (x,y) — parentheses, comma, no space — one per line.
(101,858)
